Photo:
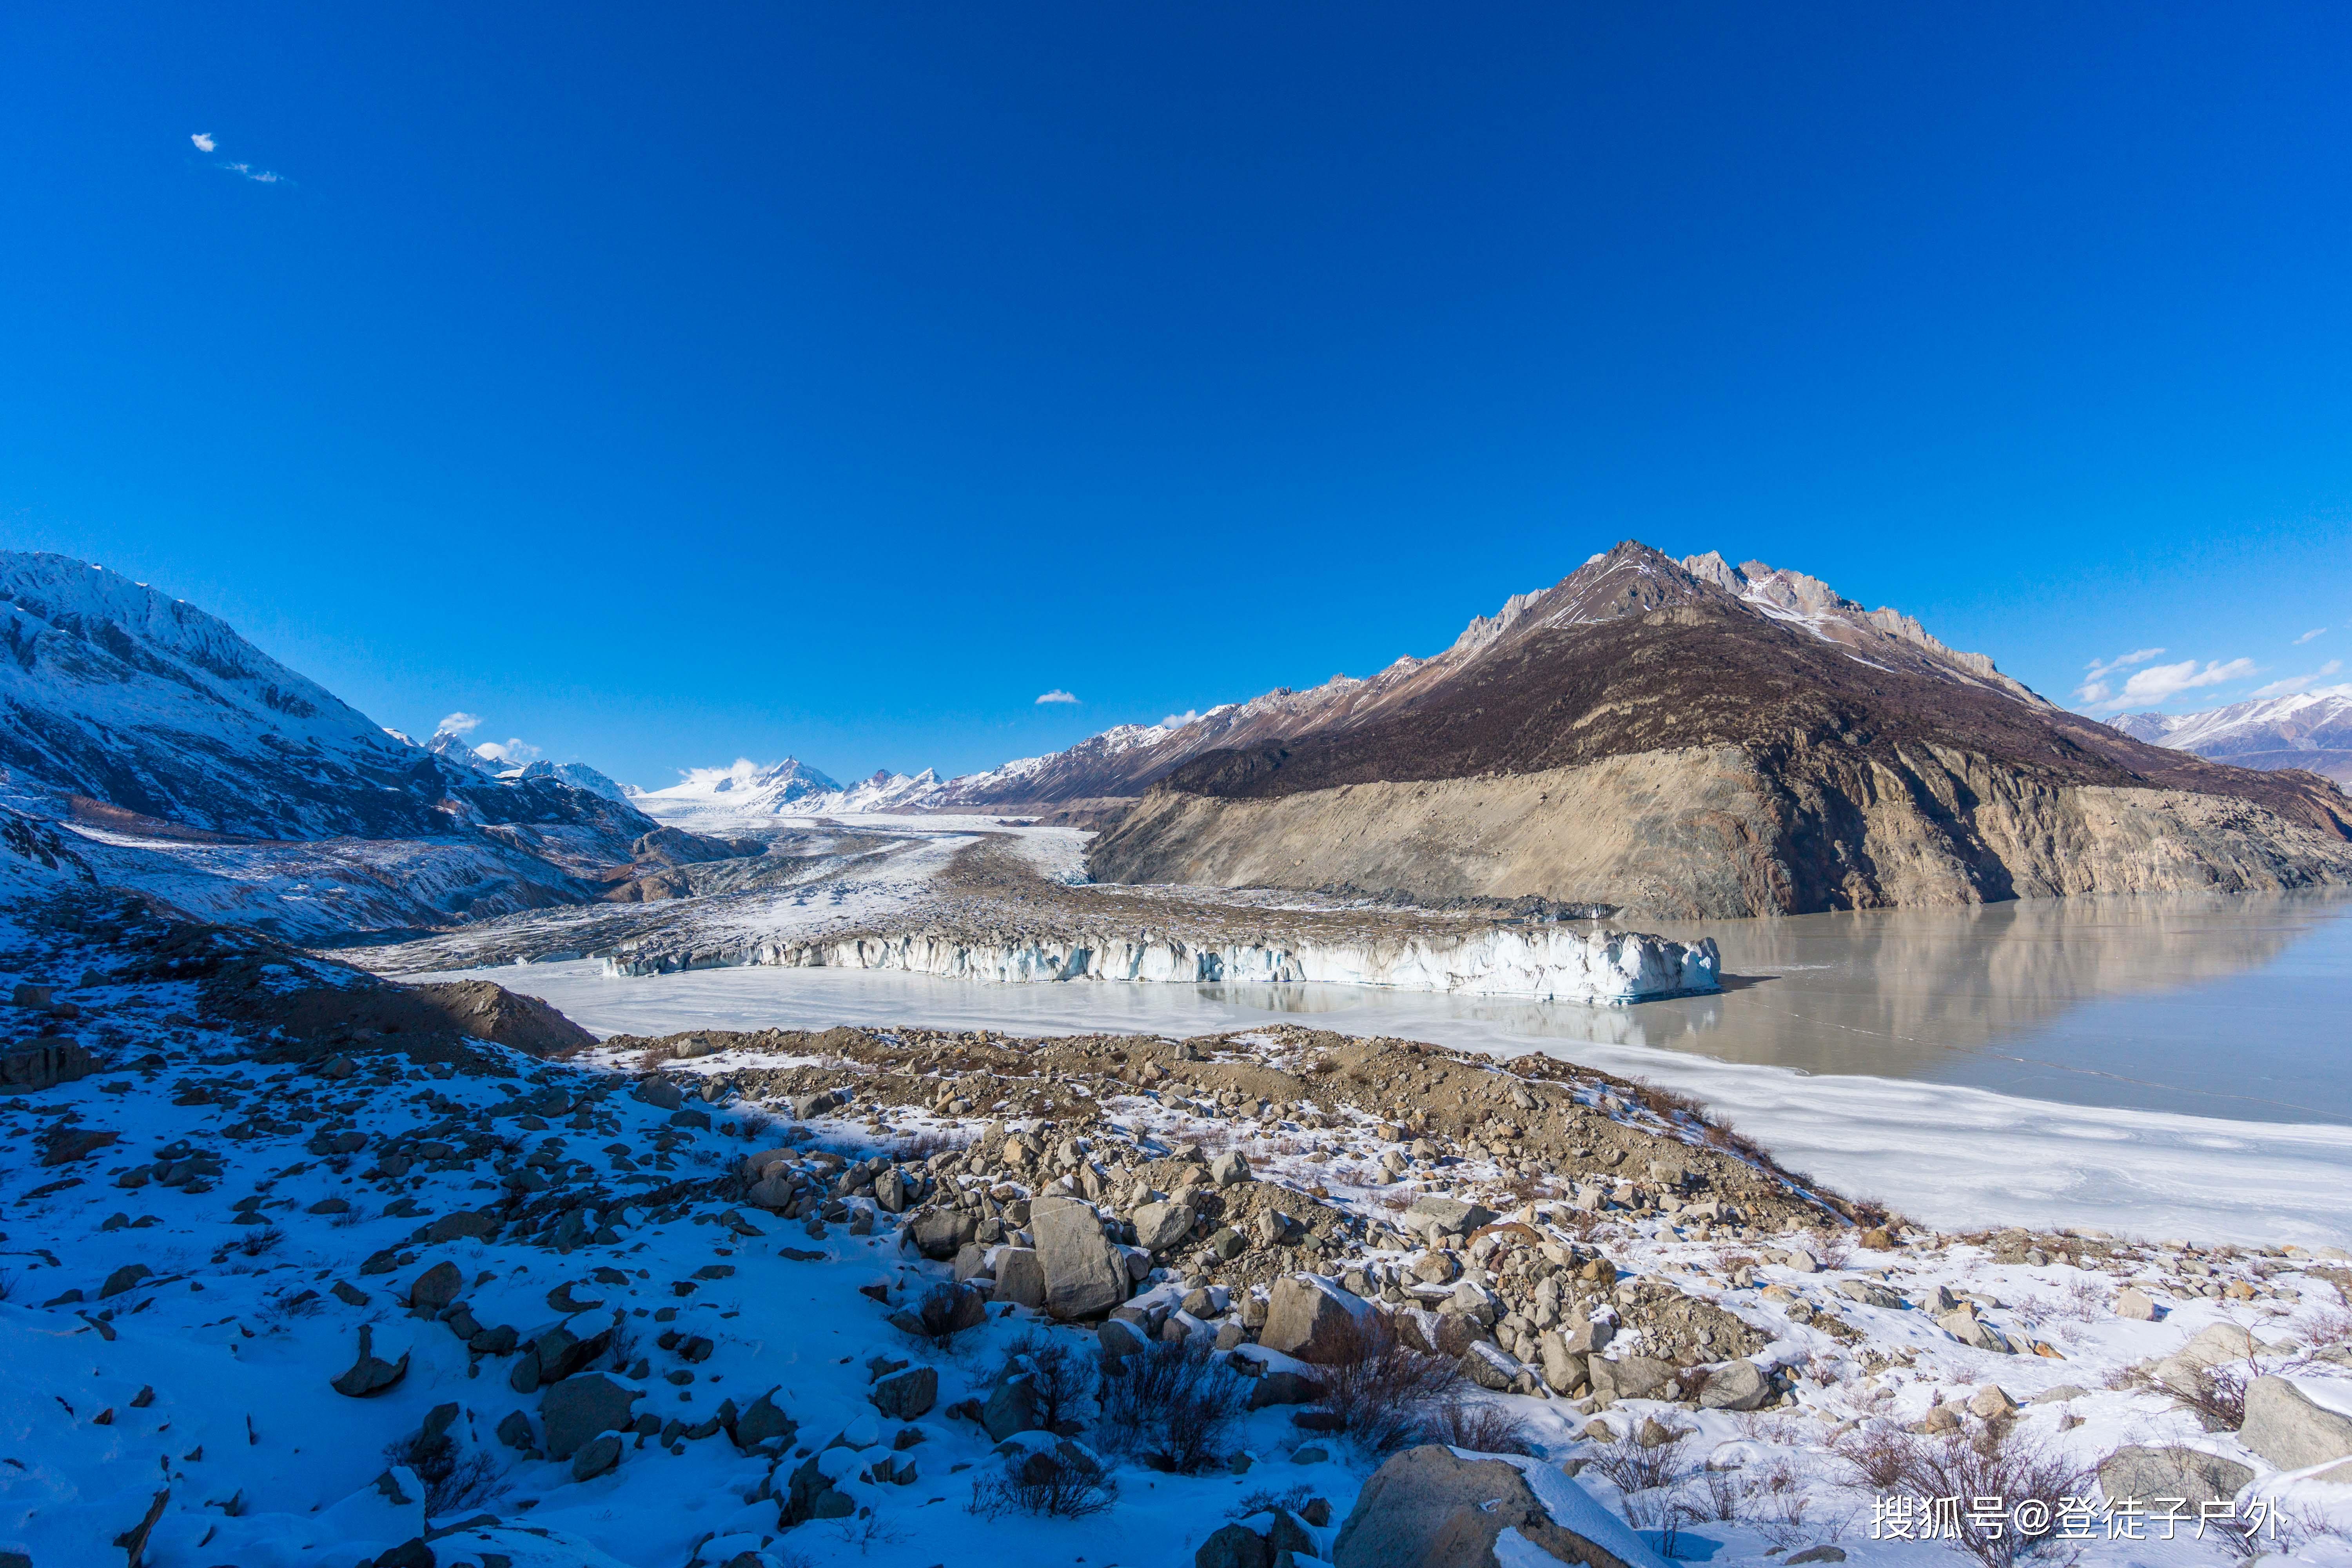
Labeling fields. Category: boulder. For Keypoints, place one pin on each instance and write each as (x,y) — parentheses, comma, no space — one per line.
(1117,1337)
(1230,1169)
(468,1225)
(1991,1403)
(1448,1215)
(2285,1428)
(2144,1474)
(596,1456)
(126,1278)
(2217,1344)
(907,1395)
(1020,1277)
(939,1233)
(1563,1369)
(1629,1377)
(1974,1332)
(2136,1305)
(576,1409)
(1430,1506)
(763,1420)
(659,1093)
(436,1287)
(1491,1368)
(1012,1408)
(1280,1387)
(1159,1226)
(1233,1546)
(1313,1319)
(370,1375)
(1736,1385)
(1086,1275)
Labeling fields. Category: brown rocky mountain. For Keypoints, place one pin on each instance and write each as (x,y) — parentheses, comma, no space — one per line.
(1682,739)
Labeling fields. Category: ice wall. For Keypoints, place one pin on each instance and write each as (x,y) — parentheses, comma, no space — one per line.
(1545,962)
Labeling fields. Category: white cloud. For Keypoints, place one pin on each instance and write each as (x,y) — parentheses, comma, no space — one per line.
(508,751)
(2294,684)
(2313,632)
(1057,695)
(258,176)
(2157,683)
(1178,721)
(738,772)
(458,724)
(204,140)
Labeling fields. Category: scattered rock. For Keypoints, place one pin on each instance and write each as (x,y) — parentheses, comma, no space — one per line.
(368,1375)
(907,1395)
(2285,1428)
(576,1409)
(2174,1472)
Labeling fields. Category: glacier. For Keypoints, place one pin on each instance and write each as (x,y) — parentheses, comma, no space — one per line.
(1551,963)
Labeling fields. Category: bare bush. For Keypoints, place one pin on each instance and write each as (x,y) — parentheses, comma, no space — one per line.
(944,1315)
(2216,1395)
(1062,1482)
(1386,1394)
(1998,1461)
(1169,1404)
(1060,1379)
(622,1348)
(1632,1466)
(1779,1502)
(1720,1495)
(1481,1426)
(1262,1501)
(454,1478)
(261,1239)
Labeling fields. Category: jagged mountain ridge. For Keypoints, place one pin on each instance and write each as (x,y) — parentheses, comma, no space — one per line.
(2308,729)
(1690,738)
(114,693)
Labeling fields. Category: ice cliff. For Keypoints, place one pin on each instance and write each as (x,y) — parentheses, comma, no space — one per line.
(1546,963)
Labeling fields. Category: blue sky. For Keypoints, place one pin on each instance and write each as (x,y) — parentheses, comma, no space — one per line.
(667,384)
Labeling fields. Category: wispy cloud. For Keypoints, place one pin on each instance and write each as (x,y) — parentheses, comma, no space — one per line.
(1178,721)
(2313,632)
(738,772)
(1057,695)
(2154,684)
(206,141)
(2293,685)
(458,724)
(508,751)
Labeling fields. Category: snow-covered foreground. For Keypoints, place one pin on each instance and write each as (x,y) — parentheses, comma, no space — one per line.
(1946,1155)
(448,1304)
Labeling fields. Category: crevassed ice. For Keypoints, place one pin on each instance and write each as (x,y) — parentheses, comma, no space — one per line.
(1547,963)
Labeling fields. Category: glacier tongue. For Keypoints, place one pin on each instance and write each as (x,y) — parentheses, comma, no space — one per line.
(1547,963)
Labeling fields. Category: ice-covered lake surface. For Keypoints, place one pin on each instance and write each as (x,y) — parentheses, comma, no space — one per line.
(2161,1066)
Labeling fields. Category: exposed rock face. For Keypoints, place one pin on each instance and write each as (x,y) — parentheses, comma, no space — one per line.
(2285,1428)
(483,1011)
(1674,749)
(1428,1506)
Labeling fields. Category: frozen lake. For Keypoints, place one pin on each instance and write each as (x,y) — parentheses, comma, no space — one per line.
(2165,1067)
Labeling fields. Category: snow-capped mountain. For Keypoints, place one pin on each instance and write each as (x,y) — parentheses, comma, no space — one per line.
(2309,729)
(790,788)
(579,775)
(114,693)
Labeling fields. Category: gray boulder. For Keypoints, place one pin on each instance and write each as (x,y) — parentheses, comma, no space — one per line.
(907,1395)
(1736,1385)
(763,1420)
(1563,1369)
(1230,1169)
(1448,1215)
(2286,1428)
(436,1287)
(1629,1377)
(941,1233)
(1491,1368)
(1011,1408)
(659,1093)
(1020,1277)
(1159,1226)
(2147,1473)
(1312,1319)
(1086,1275)
(1428,1508)
(596,1456)
(370,1374)
(1233,1546)
(576,1409)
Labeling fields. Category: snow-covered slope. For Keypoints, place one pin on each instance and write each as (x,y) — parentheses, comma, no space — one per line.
(2309,729)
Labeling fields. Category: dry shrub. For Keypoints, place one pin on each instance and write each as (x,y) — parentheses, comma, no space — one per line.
(1632,1468)
(1998,1460)
(1481,1426)
(1062,1482)
(2217,1396)
(944,1314)
(1171,1404)
(1059,1378)
(1387,1395)
(454,1478)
